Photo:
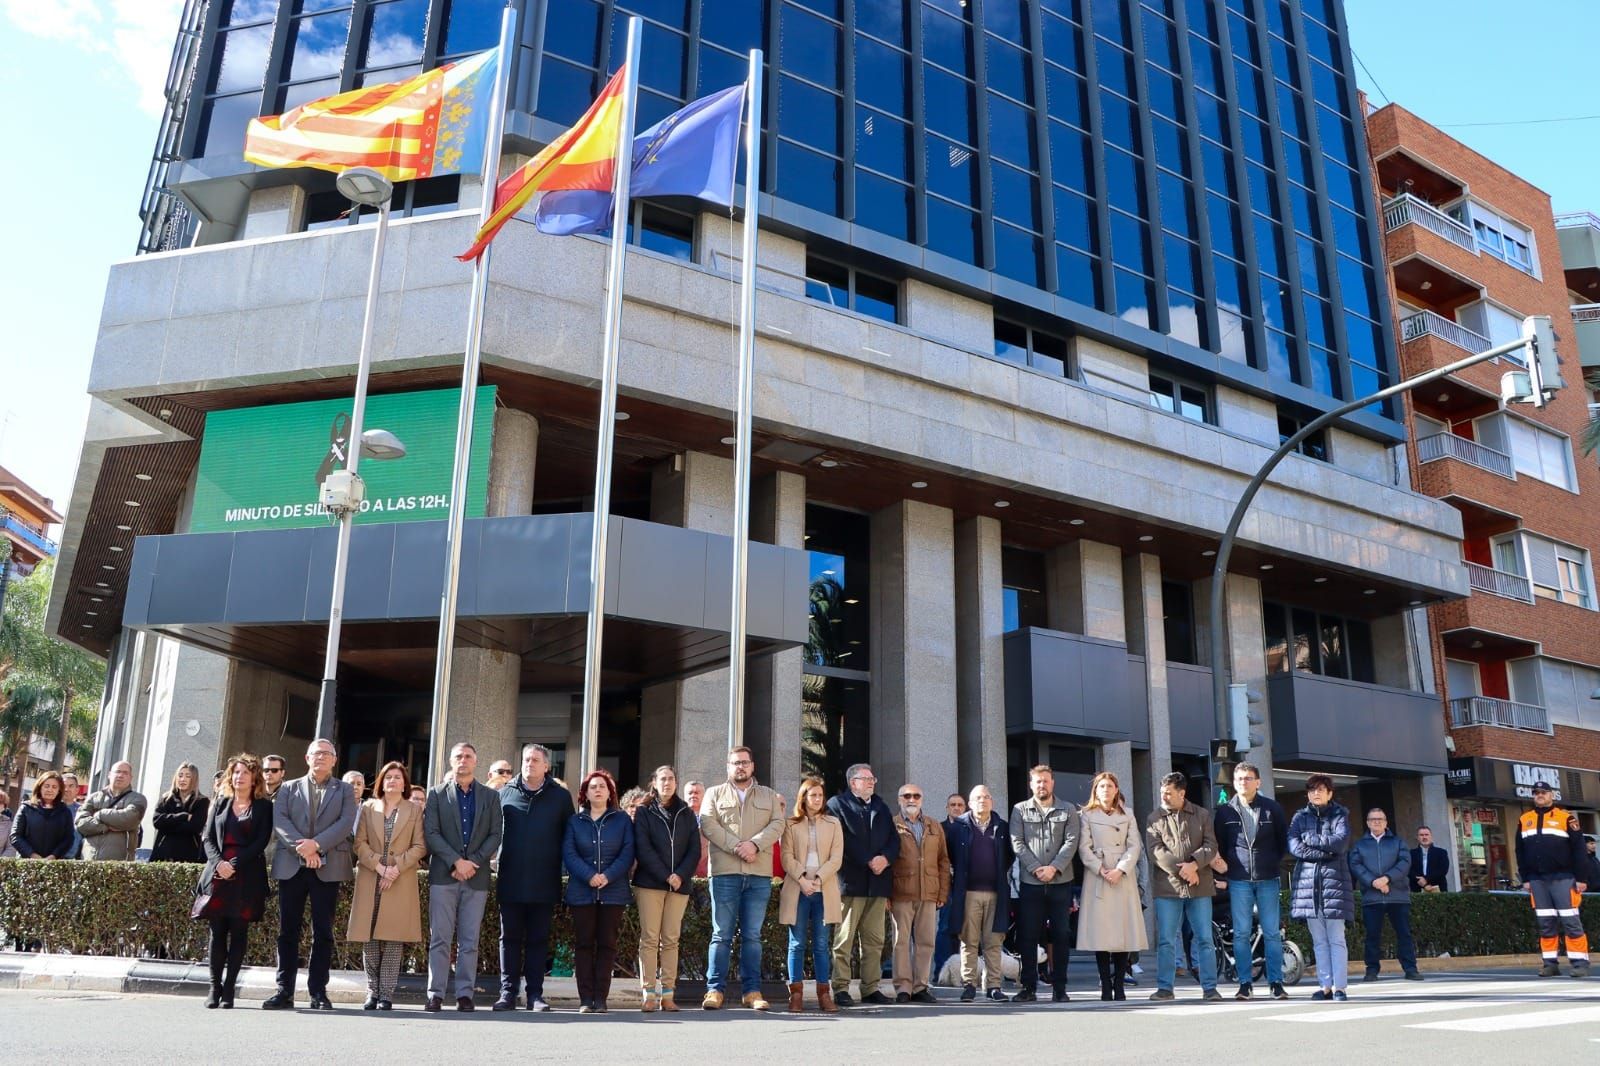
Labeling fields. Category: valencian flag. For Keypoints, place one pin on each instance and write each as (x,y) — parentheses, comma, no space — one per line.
(584,157)
(692,152)
(430,124)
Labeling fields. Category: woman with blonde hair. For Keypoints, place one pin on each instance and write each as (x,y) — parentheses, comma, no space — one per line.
(180,818)
(233,886)
(1110,918)
(809,903)
(386,908)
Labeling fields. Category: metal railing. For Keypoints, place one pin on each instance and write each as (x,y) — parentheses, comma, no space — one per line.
(1578,218)
(1450,446)
(1499,582)
(1586,312)
(27,533)
(1407,208)
(1504,714)
(1425,323)
(165,220)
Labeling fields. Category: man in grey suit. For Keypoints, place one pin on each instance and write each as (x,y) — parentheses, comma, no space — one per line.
(311,824)
(462,824)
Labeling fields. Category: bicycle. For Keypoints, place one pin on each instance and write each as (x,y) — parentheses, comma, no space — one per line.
(1294,963)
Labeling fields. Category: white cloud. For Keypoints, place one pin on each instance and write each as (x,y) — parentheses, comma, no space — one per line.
(134,37)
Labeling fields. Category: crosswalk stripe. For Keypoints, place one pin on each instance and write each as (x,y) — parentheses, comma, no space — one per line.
(1392,1010)
(1508,1022)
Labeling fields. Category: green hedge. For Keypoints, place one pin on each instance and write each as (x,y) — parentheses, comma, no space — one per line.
(142,909)
(1461,923)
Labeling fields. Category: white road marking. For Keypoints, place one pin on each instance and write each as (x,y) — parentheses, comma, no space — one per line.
(1392,1010)
(1508,1022)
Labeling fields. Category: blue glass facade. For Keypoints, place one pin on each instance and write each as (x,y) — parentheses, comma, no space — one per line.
(1187,176)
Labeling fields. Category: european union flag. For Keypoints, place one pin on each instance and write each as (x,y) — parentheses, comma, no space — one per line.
(692,152)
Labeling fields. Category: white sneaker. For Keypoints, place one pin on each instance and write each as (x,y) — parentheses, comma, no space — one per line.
(1137,968)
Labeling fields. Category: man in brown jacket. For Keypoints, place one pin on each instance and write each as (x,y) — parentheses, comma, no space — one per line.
(921,886)
(1181,843)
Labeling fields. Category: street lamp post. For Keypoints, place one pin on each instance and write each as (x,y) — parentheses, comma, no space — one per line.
(1516,388)
(343,490)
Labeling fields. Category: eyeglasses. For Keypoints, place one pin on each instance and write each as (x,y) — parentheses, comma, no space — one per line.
(868,780)
(1376,821)
(740,762)
(272,769)
(910,795)
(322,755)
(501,771)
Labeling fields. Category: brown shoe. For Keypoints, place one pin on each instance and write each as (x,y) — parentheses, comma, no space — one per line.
(668,1003)
(652,1002)
(464,1004)
(797,997)
(712,1000)
(825,1001)
(754,1001)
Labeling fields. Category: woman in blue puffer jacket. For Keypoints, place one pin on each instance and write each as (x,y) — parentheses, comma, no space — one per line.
(1321,893)
(598,853)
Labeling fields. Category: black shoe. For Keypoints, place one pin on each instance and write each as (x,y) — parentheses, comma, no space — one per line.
(1321,995)
(1245,991)
(370,1004)
(1163,995)
(464,1004)
(877,999)
(902,997)
(998,996)
(968,994)
(924,997)
(434,1005)
(599,1006)
(1118,994)
(278,1001)
(321,1003)
(503,1004)
(214,997)
(1339,995)
(1276,988)
(1025,995)
(385,1004)
(1058,994)
(1412,975)
(843,999)
(1212,996)
(1371,974)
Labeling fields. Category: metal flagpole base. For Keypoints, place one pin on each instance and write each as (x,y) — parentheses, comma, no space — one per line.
(325,702)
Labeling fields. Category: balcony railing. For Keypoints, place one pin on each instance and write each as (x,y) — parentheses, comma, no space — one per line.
(1426,323)
(27,533)
(1500,582)
(1450,446)
(1578,218)
(1504,714)
(1407,208)
(1586,312)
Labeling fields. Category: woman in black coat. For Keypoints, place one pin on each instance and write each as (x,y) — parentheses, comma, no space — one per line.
(666,842)
(180,818)
(233,886)
(43,826)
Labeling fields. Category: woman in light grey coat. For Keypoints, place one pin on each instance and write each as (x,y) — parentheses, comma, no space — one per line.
(1110,919)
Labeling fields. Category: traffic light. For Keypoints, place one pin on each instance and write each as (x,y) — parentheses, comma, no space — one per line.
(1244,718)
(1544,365)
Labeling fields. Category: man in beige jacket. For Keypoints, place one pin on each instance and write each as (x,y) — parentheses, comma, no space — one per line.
(740,820)
(921,886)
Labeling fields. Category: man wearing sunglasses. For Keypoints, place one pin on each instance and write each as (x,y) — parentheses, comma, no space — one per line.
(921,887)
(500,774)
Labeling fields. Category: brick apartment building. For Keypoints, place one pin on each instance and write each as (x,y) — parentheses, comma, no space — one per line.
(1472,248)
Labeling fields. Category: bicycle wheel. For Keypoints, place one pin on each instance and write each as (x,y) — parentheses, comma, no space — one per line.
(1223,939)
(1294,962)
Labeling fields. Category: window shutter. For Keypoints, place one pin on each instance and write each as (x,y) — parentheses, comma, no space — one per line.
(1542,562)
(1525,683)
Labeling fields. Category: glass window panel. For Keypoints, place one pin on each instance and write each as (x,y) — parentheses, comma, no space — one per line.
(1307,646)
(884,19)
(809,115)
(392,74)
(1218,163)
(952,230)
(1263,190)
(572,30)
(1364,340)
(1071,9)
(394,33)
(1166,93)
(737,25)
(807,178)
(292,96)
(1070,161)
(1212,117)
(1230,282)
(663,56)
(719,70)
(1206,61)
(241,59)
(1011,132)
(1233,338)
(1296,160)
(1357,288)
(1186,323)
(1269,247)
(1280,360)
(1075,220)
(474,25)
(1224,218)
(1115,67)
(1182,263)
(1192,403)
(809,46)
(1130,243)
(1313,278)
(1125,181)
(1333,656)
(1007,70)
(1318,320)
(1202,19)
(827,282)
(653,107)
(1067,96)
(675,13)
(1256,140)
(1172,149)
(306,7)
(1337,136)
(1350,234)
(881,76)
(1324,371)
(1319,40)
(877,297)
(1163,394)
(1111,20)
(1018,254)
(240,12)
(1247,82)
(1304,206)
(1358,651)
(1135,297)
(1291,119)
(223,122)
(947,41)
(1275,304)
(949,105)
(883,143)
(1010,341)
(1008,18)
(1161,43)
(952,171)
(1364,380)
(565,91)
(1078,276)
(1016,196)
(1344,185)
(1242,36)
(1327,86)
(1063,43)
(316,46)
(1119,122)
(666,232)
(1177,203)
(1276,635)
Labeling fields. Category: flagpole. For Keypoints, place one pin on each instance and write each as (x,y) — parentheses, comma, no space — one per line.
(589,745)
(747,356)
(467,413)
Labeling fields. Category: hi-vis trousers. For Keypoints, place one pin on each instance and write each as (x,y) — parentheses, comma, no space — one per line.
(1555,909)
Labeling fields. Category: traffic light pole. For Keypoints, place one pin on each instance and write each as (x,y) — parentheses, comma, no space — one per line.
(1219,571)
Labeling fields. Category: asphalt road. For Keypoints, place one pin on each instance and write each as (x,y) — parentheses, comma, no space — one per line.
(1490,1018)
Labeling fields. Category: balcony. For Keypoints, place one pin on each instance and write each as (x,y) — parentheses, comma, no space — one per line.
(1499,582)
(28,534)
(1329,723)
(1502,714)
(1406,209)
(1586,324)
(1425,323)
(1451,446)
(1073,685)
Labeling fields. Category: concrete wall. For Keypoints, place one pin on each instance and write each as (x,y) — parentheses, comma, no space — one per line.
(980,659)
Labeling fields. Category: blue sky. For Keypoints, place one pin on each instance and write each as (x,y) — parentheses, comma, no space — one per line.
(93,71)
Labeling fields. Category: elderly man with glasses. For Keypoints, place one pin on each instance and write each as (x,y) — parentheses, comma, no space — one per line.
(921,885)
(500,774)
(1380,864)
(871,845)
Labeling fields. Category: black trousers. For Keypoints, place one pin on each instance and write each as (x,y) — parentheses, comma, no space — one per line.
(293,893)
(594,949)
(524,947)
(1039,906)
(229,937)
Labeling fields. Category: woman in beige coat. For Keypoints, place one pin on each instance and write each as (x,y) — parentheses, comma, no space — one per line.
(809,903)
(386,910)
(1110,920)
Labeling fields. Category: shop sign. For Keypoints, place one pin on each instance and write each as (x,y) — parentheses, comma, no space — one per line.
(1526,775)
(1459,778)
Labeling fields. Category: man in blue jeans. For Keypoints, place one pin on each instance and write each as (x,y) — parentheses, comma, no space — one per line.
(1253,837)
(1181,844)
(740,821)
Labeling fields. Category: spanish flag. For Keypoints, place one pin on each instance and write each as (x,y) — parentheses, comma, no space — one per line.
(433,123)
(584,157)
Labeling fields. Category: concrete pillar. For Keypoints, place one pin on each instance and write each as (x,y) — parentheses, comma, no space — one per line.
(1246,653)
(1421,801)
(484,683)
(183,720)
(913,702)
(980,659)
(512,458)
(773,682)
(274,212)
(1084,589)
(1143,607)
(1117,756)
(685,723)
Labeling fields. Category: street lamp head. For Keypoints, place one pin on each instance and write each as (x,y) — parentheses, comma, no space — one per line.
(364,185)
(381,444)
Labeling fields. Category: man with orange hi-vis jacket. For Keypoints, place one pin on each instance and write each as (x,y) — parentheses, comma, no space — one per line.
(1550,855)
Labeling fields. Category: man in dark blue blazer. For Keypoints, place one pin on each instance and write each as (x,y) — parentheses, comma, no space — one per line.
(1430,865)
